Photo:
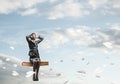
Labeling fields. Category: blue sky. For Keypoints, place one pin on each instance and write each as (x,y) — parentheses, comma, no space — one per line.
(78,35)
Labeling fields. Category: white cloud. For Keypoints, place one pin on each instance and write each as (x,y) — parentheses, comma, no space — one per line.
(68,9)
(97,3)
(73,32)
(31,3)
(55,40)
(115,3)
(114,7)
(53,1)
(115,27)
(9,6)
(108,6)
(58,9)
(84,36)
(29,12)
(59,38)
(77,36)
(80,36)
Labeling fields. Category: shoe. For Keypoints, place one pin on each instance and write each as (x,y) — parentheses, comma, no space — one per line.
(36,80)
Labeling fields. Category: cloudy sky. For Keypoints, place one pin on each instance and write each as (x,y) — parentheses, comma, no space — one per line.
(79,35)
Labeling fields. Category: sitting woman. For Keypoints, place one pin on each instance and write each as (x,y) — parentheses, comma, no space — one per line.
(33,42)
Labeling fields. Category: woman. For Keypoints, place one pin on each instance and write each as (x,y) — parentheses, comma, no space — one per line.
(33,42)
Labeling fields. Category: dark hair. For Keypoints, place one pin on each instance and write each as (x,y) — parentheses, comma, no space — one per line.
(33,33)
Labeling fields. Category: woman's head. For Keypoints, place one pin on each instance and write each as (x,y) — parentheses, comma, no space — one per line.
(33,36)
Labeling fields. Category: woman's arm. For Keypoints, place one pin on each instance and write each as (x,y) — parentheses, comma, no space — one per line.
(40,39)
(28,38)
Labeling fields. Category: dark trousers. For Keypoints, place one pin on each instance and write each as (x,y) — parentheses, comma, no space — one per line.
(35,59)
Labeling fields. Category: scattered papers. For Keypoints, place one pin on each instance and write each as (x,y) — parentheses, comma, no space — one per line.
(97,76)
(83,59)
(108,45)
(66,82)
(58,74)
(55,62)
(99,70)
(42,74)
(83,72)
(112,64)
(3,67)
(61,60)
(51,69)
(15,65)
(29,74)
(12,48)
(7,59)
(15,73)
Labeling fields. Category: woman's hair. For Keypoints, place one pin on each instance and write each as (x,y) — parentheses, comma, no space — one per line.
(33,38)
(33,33)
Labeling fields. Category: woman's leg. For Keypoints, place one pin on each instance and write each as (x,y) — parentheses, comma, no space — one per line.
(35,61)
(35,69)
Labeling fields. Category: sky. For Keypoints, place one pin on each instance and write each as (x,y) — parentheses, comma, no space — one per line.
(79,35)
